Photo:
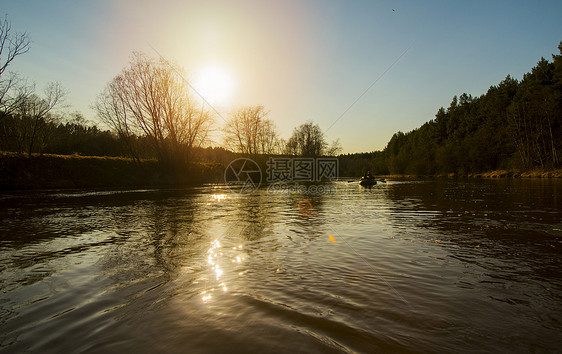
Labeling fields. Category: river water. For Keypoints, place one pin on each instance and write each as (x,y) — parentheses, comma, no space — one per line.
(438,266)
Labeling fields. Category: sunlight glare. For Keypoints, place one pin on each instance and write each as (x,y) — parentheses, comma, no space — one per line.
(214,83)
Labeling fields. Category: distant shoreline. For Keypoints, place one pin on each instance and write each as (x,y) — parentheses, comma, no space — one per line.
(557,173)
(49,171)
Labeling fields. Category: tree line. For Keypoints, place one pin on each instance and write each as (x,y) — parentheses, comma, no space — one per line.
(514,125)
(150,113)
(151,99)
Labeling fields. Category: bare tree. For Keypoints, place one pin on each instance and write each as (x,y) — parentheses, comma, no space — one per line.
(309,140)
(334,148)
(12,45)
(34,113)
(250,132)
(151,99)
(111,109)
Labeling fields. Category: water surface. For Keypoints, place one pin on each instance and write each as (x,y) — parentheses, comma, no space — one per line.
(467,266)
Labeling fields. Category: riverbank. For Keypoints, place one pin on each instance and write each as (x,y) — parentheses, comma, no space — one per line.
(519,174)
(75,171)
(557,173)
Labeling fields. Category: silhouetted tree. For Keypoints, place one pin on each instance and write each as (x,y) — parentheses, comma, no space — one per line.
(149,98)
(309,140)
(12,45)
(250,132)
(34,114)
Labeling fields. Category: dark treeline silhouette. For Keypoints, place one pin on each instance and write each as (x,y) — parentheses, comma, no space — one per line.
(514,125)
(74,136)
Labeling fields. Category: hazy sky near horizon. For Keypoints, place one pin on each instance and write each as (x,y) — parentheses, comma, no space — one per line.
(303,60)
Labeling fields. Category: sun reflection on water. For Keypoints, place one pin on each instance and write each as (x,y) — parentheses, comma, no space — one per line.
(219,197)
(216,261)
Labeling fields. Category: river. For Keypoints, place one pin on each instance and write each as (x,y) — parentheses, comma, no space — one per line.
(423,266)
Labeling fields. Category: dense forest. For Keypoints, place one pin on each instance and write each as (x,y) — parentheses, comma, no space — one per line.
(514,125)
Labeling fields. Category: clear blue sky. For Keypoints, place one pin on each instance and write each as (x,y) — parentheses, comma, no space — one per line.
(303,60)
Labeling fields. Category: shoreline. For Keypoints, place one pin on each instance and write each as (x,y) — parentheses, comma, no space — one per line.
(556,173)
(49,171)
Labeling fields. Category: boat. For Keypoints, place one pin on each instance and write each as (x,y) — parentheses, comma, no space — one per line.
(367,181)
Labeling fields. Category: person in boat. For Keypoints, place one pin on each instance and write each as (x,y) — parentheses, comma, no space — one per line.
(368,175)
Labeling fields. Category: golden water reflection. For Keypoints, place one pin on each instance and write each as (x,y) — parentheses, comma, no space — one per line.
(219,197)
(218,259)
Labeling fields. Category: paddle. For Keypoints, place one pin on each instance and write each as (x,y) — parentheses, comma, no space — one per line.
(382,180)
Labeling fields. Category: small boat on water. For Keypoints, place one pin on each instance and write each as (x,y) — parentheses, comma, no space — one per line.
(367,181)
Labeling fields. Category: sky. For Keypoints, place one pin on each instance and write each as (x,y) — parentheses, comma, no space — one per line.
(362,70)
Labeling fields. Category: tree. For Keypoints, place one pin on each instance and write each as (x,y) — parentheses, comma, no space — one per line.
(149,98)
(250,132)
(12,45)
(112,110)
(309,140)
(334,148)
(34,114)
(534,117)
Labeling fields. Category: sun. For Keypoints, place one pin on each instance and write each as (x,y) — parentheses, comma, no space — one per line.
(214,83)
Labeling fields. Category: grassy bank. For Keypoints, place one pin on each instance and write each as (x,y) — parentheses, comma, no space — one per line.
(491,174)
(520,174)
(74,171)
